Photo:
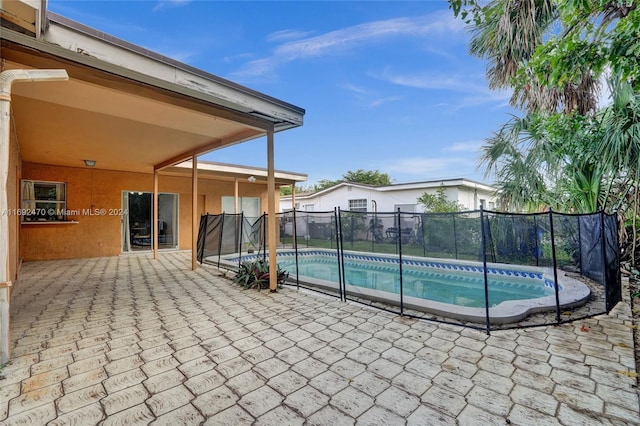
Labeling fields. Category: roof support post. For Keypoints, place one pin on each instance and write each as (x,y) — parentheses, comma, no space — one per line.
(271,214)
(194,212)
(235,196)
(154,226)
(7,78)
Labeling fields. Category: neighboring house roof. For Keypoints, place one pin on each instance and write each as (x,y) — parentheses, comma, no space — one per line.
(124,106)
(457,182)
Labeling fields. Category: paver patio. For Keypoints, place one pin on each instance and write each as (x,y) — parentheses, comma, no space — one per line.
(129,340)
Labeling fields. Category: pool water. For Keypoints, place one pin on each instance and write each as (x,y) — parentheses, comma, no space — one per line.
(459,287)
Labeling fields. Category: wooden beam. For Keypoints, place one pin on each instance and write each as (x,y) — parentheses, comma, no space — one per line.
(271,214)
(208,147)
(194,212)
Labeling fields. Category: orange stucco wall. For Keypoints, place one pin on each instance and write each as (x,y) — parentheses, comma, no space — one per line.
(93,189)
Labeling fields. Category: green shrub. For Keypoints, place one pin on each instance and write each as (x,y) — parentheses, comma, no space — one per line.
(255,274)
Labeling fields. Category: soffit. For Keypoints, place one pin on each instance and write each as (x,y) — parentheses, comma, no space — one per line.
(64,123)
(120,123)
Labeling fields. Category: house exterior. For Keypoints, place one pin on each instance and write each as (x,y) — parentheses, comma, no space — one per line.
(95,130)
(404,196)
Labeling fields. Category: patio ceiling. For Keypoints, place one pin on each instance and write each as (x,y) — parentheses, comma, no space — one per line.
(121,118)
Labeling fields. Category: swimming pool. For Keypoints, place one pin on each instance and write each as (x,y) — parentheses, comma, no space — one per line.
(445,287)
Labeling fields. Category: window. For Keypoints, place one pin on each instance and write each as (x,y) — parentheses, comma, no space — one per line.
(359,205)
(250,206)
(405,208)
(483,203)
(309,207)
(43,201)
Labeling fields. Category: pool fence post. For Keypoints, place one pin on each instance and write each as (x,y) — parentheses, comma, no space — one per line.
(373,232)
(220,239)
(580,242)
(400,260)
(535,228)
(424,242)
(614,236)
(204,236)
(336,212)
(263,240)
(240,239)
(554,264)
(604,260)
(455,235)
(484,268)
(295,246)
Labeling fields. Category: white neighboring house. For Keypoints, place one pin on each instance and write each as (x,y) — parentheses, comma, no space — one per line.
(390,198)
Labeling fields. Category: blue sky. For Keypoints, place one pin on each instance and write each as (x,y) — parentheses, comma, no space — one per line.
(386,85)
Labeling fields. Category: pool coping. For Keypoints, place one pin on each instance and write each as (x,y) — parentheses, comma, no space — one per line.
(571,292)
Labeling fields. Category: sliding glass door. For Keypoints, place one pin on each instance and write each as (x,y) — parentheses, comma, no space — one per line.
(137,223)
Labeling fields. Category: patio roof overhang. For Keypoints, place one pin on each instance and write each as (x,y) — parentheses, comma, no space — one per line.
(232,172)
(124,107)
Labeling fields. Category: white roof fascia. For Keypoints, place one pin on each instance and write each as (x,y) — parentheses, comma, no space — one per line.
(405,186)
(236,169)
(26,14)
(436,184)
(78,43)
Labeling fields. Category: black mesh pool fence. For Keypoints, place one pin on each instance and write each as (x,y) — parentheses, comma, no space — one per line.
(481,269)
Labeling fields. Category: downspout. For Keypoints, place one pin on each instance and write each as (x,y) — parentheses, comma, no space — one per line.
(7,78)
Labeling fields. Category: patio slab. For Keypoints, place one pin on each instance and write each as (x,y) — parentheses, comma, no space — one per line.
(130,340)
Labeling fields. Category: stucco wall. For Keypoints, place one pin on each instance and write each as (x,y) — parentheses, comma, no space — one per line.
(13,188)
(95,189)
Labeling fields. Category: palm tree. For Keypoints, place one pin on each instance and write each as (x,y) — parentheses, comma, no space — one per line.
(537,167)
(507,37)
(620,147)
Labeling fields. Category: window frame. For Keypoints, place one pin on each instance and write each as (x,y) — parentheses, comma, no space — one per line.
(33,209)
(364,203)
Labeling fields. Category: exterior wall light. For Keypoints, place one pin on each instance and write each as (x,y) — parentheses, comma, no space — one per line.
(89,163)
(252,179)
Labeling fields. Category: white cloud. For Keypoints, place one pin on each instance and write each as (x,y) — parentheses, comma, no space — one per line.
(286,35)
(468,146)
(499,99)
(340,41)
(368,98)
(427,80)
(170,4)
(381,101)
(238,57)
(474,89)
(355,89)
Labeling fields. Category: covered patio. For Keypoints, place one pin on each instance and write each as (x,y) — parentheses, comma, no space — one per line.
(130,340)
(87,112)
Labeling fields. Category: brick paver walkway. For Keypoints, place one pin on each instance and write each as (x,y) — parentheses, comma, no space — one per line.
(129,340)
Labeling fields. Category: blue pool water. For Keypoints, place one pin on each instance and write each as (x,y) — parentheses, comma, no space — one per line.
(452,283)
